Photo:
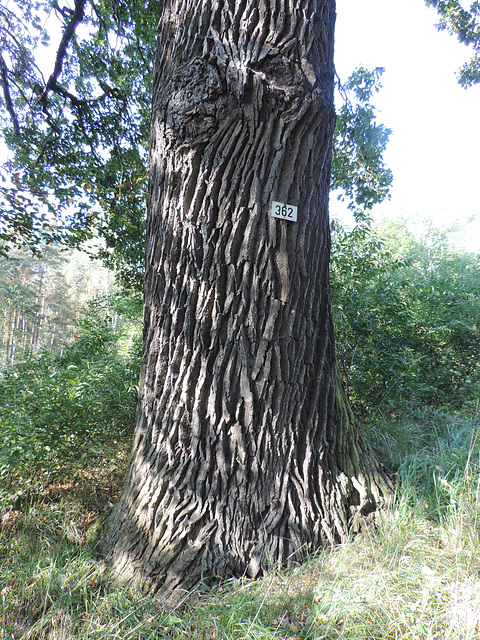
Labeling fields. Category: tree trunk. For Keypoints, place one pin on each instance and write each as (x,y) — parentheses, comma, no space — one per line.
(244,454)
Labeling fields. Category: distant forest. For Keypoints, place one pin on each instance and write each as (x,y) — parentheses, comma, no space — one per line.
(43,297)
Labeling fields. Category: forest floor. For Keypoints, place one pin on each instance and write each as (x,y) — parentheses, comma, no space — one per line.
(416,575)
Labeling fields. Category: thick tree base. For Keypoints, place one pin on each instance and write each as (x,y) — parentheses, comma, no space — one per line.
(371,487)
(353,493)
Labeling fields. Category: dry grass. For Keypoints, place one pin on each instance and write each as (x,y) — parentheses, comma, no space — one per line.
(416,576)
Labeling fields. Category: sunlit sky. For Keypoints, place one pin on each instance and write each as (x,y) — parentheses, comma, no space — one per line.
(434,151)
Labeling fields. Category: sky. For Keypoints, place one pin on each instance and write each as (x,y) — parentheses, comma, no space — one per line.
(434,150)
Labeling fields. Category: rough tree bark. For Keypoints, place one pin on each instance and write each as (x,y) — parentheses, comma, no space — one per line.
(245,453)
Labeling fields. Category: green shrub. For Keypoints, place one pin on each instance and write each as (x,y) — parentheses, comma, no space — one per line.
(58,412)
(406,314)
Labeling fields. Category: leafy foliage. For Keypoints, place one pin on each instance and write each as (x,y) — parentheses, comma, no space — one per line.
(371,316)
(465,24)
(444,298)
(406,311)
(359,174)
(56,412)
(79,136)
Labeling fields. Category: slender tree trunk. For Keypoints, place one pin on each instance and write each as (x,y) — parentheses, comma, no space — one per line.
(8,333)
(39,318)
(245,454)
(14,336)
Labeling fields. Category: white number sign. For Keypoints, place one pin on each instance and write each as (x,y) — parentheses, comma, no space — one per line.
(284,211)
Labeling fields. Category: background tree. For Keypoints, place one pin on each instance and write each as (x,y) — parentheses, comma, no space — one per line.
(465,24)
(78,136)
(406,304)
(42,297)
(245,454)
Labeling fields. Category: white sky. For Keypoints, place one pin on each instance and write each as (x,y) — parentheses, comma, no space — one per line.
(434,151)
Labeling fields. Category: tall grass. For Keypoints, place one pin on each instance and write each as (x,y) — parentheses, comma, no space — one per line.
(415,576)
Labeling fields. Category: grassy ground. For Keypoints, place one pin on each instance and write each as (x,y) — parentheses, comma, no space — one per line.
(416,576)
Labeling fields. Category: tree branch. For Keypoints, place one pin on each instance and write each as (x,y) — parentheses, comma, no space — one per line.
(8,97)
(76,18)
